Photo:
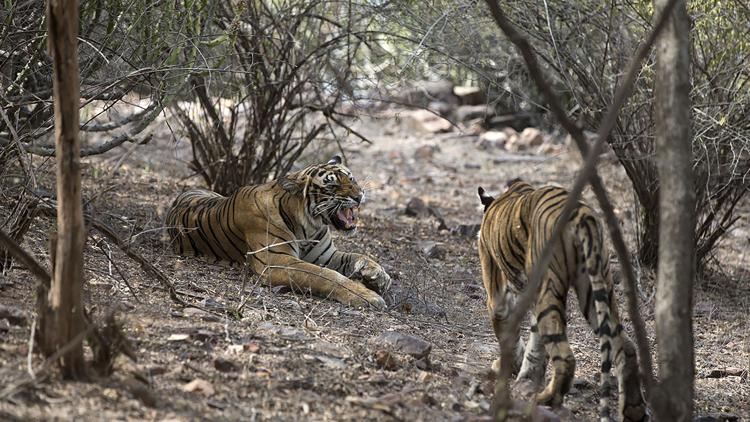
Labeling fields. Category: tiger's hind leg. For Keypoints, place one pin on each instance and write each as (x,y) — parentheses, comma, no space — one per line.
(534,363)
(499,304)
(550,316)
(595,293)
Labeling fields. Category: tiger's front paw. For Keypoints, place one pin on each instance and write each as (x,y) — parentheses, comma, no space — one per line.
(362,299)
(372,275)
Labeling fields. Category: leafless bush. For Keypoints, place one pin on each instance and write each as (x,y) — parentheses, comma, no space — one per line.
(288,66)
(125,47)
(584,45)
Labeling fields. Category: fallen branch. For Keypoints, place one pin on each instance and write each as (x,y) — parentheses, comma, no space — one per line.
(25,258)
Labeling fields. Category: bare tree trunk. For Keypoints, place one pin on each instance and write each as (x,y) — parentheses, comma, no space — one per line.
(64,297)
(674,298)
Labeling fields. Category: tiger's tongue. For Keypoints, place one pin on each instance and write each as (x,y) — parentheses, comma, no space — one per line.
(347,216)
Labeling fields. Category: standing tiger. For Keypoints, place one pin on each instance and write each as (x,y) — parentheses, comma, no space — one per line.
(281,229)
(514,230)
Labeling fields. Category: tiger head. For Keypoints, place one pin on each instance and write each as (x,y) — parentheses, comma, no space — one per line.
(330,192)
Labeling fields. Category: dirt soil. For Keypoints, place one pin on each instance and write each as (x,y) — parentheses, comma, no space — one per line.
(290,356)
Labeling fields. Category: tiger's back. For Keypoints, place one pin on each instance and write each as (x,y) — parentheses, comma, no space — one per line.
(201,223)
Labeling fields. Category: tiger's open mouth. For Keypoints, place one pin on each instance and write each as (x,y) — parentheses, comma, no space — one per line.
(346,218)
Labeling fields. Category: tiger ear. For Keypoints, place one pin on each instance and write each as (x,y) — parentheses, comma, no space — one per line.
(486,199)
(336,159)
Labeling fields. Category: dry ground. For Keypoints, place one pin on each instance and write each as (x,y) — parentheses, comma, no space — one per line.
(296,357)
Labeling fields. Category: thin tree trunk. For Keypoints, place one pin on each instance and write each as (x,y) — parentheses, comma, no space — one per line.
(64,298)
(676,264)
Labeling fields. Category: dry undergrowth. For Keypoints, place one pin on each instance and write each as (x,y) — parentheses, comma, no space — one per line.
(291,356)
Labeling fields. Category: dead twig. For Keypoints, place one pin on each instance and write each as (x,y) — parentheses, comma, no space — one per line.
(25,258)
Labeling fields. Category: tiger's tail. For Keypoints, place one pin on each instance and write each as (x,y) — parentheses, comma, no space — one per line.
(595,294)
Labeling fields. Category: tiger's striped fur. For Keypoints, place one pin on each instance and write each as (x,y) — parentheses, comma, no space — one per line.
(281,229)
(515,228)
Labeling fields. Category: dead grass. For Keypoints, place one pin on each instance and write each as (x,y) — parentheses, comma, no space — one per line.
(303,358)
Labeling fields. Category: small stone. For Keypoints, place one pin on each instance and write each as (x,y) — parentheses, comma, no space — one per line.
(416,208)
(291,304)
(386,360)
(492,139)
(403,343)
(425,376)
(466,230)
(199,386)
(725,372)
(425,152)
(225,365)
(432,249)
(440,107)
(544,414)
(13,315)
(142,392)
(200,314)
(423,363)
(468,112)
(531,137)
(469,95)
(204,335)
(718,417)
(178,337)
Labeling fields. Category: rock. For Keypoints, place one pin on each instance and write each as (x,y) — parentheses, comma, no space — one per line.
(426,152)
(492,139)
(403,343)
(437,125)
(416,208)
(423,363)
(199,386)
(517,121)
(291,304)
(142,392)
(531,137)
(225,365)
(549,149)
(200,314)
(432,249)
(385,360)
(468,112)
(425,92)
(441,107)
(725,372)
(329,361)
(718,417)
(204,335)
(520,158)
(425,376)
(178,337)
(466,230)
(13,315)
(469,95)
(210,303)
(544,414)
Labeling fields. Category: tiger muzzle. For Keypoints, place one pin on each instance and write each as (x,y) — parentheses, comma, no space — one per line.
(346,218)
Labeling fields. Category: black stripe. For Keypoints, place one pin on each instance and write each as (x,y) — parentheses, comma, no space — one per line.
(554,338)
(549,310)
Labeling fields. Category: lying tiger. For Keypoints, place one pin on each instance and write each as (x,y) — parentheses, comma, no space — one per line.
(515,228)
(281,229)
